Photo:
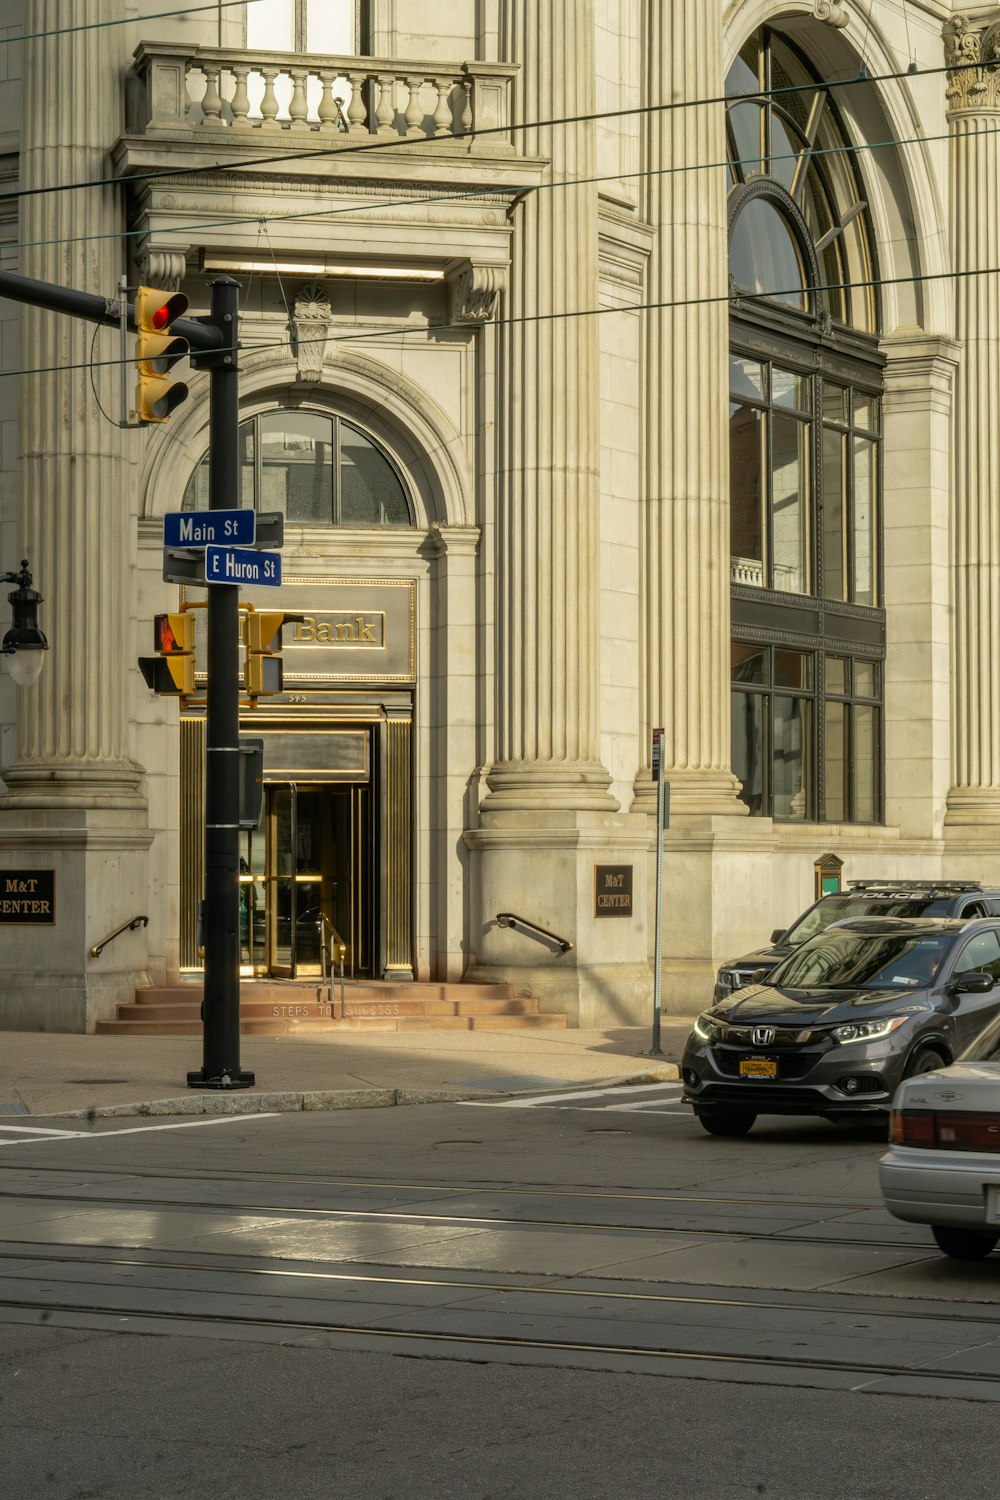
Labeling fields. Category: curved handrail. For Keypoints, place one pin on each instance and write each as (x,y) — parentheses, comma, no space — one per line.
(511,919)
(129,926)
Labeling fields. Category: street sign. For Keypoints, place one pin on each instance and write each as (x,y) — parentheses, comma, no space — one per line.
(185,567)
(243,565)
(209,528)
(657,754)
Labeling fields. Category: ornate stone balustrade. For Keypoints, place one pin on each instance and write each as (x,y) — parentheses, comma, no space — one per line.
(746,570)
(205,90)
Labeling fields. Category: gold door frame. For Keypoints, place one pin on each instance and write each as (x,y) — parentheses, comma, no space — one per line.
(384,944)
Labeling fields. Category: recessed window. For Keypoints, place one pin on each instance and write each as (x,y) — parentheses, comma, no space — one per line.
(786,768)
(315,469)
(323,26)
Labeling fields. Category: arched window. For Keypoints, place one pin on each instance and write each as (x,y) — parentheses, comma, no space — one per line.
(315,469)
(805,428)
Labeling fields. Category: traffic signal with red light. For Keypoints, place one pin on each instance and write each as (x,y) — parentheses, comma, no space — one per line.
(172,671)
(157,350)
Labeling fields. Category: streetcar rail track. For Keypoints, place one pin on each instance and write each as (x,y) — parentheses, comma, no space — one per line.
(855,1310)
(378,1333)
(402,1216)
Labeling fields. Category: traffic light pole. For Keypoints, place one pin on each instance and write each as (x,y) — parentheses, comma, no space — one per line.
(221,927)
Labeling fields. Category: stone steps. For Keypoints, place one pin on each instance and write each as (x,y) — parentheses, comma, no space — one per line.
(304,1009)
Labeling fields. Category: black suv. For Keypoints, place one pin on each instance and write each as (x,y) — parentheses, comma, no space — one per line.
(863,898)
(843,1020)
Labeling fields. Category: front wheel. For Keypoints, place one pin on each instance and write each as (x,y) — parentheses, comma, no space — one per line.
(728,1122)
(924,1060)
(964,1244)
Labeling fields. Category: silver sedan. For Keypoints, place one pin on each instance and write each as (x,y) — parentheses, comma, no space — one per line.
(943,1163)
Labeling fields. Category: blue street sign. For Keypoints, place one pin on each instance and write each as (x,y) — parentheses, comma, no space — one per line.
(243,565)
(210,528)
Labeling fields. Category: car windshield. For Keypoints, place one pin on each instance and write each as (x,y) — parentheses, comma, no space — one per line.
(855,960)
(838,908)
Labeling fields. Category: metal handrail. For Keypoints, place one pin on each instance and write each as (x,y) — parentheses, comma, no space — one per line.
(511,919)
(130,926)
(336,941)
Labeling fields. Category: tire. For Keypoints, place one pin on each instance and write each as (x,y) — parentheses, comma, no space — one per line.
(727,1122)
(964,1244)
(924,1060)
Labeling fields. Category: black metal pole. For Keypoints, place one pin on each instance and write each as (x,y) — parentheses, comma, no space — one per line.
(221,1008)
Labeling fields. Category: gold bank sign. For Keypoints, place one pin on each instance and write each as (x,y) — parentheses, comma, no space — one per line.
(355,632)
(335,629)
(27,897)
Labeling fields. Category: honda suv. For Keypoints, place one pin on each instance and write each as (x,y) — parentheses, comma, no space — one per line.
(842,1020)
(863,898)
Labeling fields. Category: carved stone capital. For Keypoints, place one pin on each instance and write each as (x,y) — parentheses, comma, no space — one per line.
(311,320)
(474,291)
(833,12)
(973,52)
(164,268)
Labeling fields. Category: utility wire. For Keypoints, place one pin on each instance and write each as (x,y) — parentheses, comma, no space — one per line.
(401,330)
(474,195)
(404,143)
(159,15)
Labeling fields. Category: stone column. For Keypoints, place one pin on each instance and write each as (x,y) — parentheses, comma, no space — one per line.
(974,116)
(75,506)
(75,801)
(550,820)
(686,470)
(548,732)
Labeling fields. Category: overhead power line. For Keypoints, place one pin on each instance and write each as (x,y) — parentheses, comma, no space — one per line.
(399,331)
(474,195)
(159,15)
(405,143)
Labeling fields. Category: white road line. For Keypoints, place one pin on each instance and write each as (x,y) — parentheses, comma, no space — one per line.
(628,1088)
(103,1135)
(39,1130)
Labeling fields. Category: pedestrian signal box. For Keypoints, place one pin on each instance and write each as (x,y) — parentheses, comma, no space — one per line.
(263,674)
(171,672)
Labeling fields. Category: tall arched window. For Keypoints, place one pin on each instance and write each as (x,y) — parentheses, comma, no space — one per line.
(805,424)
(315,469)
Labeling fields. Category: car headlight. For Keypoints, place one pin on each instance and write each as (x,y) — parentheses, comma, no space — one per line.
(705,1029)
(867,1031)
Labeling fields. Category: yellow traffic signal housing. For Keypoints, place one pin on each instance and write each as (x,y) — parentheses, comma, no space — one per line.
(172,671)
(264,671)
(156,353)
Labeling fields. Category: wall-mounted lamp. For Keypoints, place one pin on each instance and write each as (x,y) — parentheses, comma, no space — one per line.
(24,642)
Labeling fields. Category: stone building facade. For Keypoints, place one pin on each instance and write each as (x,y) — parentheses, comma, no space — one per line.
(499,260)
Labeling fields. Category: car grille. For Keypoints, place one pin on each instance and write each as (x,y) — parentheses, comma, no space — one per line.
(784,1036)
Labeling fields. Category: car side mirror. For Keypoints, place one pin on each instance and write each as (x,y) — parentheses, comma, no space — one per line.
(778,934)
(975,983)
(759,976)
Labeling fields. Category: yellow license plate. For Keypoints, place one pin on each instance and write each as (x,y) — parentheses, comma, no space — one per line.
(758,1067)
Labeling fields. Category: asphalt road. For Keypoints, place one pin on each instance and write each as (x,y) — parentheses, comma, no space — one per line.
(577,1294)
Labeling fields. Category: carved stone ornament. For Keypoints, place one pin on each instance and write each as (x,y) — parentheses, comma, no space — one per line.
(974,53)
(164,268)
(833,12)
(475,291)
(310,330)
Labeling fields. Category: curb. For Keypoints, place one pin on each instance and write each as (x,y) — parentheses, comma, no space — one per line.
(239,1103)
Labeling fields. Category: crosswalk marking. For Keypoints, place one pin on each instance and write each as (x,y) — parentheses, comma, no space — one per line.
(666,1093)
(30,1135)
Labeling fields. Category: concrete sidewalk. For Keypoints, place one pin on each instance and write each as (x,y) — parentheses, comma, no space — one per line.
(46,1074)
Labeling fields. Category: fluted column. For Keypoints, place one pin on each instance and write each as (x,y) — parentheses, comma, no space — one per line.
(685,615)
(974,116)
(75,506)
(548,732)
